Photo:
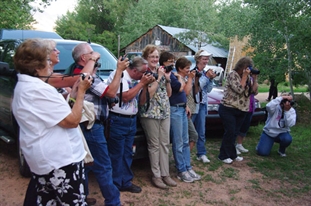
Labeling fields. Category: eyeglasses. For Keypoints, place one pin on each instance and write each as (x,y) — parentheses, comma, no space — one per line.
(153,57)
(88,53)
(55,49)
(171,61)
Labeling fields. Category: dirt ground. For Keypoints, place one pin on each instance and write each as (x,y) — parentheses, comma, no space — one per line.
(235,184)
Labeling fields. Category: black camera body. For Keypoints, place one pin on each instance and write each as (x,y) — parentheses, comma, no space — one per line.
(97,65)
(197,73)
(292,103)
(83,75)
(253,71)
(114,100)
(155,75)
(168,68)
(217,73)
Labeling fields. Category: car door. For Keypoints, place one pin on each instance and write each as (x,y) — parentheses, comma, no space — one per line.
(7,84)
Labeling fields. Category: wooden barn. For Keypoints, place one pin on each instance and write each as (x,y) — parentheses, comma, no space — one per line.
(165,38)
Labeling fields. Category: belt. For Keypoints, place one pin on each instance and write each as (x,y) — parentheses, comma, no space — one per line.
(122,115)
(179,105)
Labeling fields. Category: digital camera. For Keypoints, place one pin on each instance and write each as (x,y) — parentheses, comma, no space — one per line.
(168,68)
(197,73)
(292,103)
(155,75)
(83,75)
(114,100)
(253,71)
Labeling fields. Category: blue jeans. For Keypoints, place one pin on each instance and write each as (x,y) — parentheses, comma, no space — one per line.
(180,139)
(246,123)
(232,120)
(266,142)
(120,145)
(102,166)
(199,123)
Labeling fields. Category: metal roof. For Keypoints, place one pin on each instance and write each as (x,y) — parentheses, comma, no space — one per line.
(216,51)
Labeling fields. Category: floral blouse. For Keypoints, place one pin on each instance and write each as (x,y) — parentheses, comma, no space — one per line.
(235,95)
(159,107)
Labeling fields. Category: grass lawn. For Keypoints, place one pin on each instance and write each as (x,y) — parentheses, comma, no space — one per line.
(283,87)
(292,172)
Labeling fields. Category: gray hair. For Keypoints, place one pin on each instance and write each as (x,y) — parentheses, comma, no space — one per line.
(78,51)
(137,61)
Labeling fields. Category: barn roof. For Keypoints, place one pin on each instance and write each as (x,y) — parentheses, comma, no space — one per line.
(216,51)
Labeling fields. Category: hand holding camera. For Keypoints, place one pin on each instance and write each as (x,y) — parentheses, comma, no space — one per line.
(287,103)
(95,56)
(197,73)
(122,64)
(147,78)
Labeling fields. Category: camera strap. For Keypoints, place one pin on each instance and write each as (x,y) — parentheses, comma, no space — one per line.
(195,95)
(147,100)
(121,90)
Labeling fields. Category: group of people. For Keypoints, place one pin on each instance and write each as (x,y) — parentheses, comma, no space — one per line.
(170,105)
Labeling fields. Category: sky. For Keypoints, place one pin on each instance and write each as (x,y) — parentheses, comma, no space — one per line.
(46,20)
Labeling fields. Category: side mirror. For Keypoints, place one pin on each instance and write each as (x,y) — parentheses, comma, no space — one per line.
(5,69)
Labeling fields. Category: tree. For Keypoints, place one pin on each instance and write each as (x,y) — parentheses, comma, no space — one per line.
(272,26)
(18,14)
(197,16)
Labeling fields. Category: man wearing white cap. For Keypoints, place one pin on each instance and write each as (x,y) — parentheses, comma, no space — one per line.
(206,86)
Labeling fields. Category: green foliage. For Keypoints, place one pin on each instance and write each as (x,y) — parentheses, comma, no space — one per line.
(131,19)
(17,14)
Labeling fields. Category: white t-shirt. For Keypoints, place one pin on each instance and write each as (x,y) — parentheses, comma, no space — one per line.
(131,107)
(38,108)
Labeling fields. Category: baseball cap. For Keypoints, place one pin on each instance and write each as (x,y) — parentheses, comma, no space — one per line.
(205,53)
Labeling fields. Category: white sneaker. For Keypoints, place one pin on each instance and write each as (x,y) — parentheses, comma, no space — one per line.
(204,159)
(227,161)
(194,175)
(238,152)
(185,176)
(281,154)
(241,148)
(238,159)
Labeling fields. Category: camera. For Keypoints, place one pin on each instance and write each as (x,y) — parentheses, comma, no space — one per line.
(217,73)
(168,68)
(114,100)
(197,73)
(155,75)
(292,103)
(97,65)
(83,75)
(253,71)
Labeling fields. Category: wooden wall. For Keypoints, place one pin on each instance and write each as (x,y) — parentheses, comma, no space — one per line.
(168,43)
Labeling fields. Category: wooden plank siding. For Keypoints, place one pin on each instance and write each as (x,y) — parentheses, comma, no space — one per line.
(168,42)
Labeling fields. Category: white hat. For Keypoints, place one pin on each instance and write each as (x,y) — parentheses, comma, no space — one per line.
(205,53)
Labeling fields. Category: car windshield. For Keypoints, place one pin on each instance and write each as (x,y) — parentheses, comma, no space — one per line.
(107,60)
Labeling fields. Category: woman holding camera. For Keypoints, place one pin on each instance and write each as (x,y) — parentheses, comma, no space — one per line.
(179,122)
(155,117)
(281,116)
(49,137)
(233,108)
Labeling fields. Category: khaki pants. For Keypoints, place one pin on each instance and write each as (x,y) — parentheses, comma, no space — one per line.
(157,132)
